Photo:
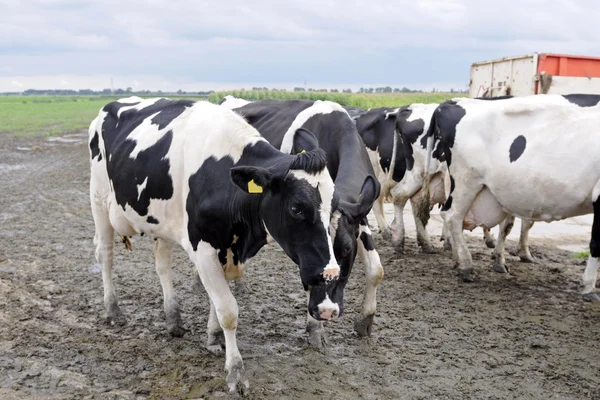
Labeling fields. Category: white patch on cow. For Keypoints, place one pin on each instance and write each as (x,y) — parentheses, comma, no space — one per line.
(318,108)
(389,114)
(233,102)
(373,272)
(335,220)
(146,135)
(323,182)
(328,309)
(143,103)
(141,188)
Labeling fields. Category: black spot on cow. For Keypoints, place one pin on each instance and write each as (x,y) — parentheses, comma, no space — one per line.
(367,240)
(151,220)
(95,148)
(168,114)
(150,165)
(443,129)
(448,202)
(517,148)
(409,132)
(377,133)
(583,100)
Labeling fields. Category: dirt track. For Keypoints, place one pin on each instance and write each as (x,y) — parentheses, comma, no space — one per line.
(527,335)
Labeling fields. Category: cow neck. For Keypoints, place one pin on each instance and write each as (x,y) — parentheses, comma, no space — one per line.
(248,223)
(351,171)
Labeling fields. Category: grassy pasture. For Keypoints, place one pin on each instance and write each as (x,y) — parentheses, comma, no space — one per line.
(363,100)
(54,115)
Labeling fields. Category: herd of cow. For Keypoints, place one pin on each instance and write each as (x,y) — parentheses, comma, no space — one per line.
(224,180)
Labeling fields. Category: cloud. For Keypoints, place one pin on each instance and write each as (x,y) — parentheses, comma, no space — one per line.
(16,83)
(415,42)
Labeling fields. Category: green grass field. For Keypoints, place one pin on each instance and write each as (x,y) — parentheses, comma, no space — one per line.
(54,115)
(363,100)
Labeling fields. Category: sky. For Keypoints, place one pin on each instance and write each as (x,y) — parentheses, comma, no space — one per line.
(228,44)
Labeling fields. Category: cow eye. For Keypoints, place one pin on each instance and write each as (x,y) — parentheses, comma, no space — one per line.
(296,210)
(347,249)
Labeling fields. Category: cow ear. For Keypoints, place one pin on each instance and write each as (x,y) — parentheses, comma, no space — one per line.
(368,194)
(304,140)
(253,180)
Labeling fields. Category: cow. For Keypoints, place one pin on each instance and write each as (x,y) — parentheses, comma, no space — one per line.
(412,123)
(377,127)
(354,112)
(198,175)
(536,157)
(349,166)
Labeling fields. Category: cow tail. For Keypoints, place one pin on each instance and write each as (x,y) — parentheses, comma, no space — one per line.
(389,182)
(424,206)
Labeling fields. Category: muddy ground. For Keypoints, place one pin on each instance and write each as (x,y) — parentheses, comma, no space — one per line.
(527,335)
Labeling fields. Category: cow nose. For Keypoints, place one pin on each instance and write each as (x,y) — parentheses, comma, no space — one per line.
(329,314)
(328,310)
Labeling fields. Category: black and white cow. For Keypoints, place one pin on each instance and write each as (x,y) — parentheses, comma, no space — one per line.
(349,166)
(389,159)
(535,157)
(198,175)
(412,123)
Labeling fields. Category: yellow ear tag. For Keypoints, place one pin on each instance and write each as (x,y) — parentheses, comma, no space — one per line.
(253,187)
(359,196)
(303,151)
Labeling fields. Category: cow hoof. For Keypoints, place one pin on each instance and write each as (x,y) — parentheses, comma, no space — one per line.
(500,268)
(176,331)
(467,274)
(386,234)
(399,246)
(447,245)
(216,343)
(237,374)
(174,323)
(114,316)
(364,325)
(241,288)
(490,243)
(428,250)
(593,297)
(527,258)
(118,320)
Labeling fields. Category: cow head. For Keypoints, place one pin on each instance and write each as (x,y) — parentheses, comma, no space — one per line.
(296,206)
(345,223)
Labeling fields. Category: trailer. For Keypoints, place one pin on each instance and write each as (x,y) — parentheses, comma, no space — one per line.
(536,73)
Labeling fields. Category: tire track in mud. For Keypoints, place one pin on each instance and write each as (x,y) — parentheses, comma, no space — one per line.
(527,335)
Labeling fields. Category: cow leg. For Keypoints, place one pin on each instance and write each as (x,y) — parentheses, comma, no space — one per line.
(316,331)
(422,235)
(590,275)
(226,310)
(499,264)
(398,224)
(524,253)
(489,239)
(446,236)
(382,224)
(216,338)
(163,254)
(215,343)
(104,241)
(374,274)
(454,213)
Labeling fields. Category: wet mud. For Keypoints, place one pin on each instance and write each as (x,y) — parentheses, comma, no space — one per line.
(526,335)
